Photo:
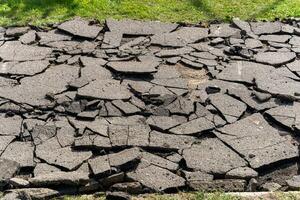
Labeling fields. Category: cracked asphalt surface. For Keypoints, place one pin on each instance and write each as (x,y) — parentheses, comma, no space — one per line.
(137,107)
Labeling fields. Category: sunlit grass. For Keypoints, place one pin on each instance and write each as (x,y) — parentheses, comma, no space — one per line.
(39,12)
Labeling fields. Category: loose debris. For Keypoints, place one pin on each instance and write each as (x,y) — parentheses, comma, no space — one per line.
(121,108)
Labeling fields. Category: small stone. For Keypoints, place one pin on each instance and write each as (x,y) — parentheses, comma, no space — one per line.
(19,182)
(241,173)
(253,43)
(28,38)
(252,185)
(270,187)
(294,183)
(262,97)
(217,41)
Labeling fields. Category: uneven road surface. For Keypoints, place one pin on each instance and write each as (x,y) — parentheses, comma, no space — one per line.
(139,107)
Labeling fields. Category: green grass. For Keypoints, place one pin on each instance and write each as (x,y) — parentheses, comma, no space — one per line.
(37,12)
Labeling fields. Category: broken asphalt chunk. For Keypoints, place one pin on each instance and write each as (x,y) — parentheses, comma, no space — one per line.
(20,152)
(195,126)
(156,178)
(165,141)
(132,67)
(104,89)
(181,37)
(8,169)
(230,108)
(275,58)
(212,156)
(82,28)
(15,51)
(254,139)
(287,115)
(63,157)
(60,178)
(134,27)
